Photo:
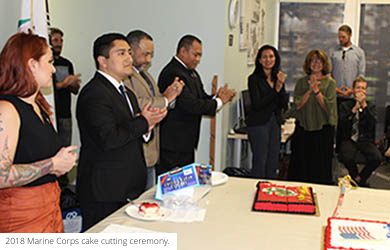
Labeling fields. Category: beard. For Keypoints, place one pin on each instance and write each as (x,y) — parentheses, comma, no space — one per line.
(344,44)
(56,51)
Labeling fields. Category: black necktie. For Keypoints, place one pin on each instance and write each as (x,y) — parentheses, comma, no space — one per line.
(121,88)
(122,92)
(196,82)
(148,81)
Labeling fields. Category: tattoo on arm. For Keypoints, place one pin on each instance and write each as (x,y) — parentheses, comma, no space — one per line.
(13,175)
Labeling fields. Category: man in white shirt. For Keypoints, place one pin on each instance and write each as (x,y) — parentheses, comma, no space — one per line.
(112,127)
(180,130)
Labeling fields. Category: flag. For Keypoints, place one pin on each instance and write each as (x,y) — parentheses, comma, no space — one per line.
(34,17)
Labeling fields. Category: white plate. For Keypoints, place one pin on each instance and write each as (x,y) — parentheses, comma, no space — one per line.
(218,178)
(132,211)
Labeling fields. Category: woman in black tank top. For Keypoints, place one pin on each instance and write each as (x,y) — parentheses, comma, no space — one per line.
(31,152)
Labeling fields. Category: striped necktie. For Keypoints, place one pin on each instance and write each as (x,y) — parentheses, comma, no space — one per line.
(355,127)
(148,82)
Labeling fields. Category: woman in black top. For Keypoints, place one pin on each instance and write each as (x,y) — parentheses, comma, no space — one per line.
(268,98)
(31,153)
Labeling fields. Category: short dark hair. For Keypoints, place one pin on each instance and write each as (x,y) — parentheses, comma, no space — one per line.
(358,79)
(103,44)
(345,28)
(259,67)
(56,30)
(186,42)
(135,36)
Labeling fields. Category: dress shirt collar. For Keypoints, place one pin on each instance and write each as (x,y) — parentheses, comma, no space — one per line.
(136,70)
(347,48)
(350,47)
(180,61)
(112,80)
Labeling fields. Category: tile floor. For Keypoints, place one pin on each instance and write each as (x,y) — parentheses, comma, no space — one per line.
(379,179)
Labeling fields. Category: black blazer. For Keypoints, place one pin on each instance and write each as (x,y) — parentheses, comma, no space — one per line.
(179,131)
(265,101)
(111,165)
(367,121)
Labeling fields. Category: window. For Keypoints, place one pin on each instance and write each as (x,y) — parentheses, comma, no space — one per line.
(374,40)
(302,28)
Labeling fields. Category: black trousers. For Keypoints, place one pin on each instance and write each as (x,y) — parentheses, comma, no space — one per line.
(170,159)
(348,155)
(92,212)
(311,155)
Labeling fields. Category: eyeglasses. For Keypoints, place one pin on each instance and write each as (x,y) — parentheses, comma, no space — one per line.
(316,61)
(343,56)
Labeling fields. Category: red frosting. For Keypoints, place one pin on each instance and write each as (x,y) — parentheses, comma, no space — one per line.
(280,198)
(146,205)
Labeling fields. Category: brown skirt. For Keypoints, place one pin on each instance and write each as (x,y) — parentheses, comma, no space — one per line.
(31,209)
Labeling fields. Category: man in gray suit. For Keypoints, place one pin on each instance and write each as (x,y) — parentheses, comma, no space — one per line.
(146,90)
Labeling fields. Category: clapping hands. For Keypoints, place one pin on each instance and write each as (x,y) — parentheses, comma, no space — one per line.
(360,97)
(152,115)
(313,83)
(281,78)
(64,160)
(226,94)
(174,90)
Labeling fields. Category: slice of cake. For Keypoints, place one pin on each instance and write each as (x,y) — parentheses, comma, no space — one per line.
(280,198)
(149,209)
(353,234)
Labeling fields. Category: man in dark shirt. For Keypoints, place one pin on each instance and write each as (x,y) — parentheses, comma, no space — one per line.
(64,83)
(357,128)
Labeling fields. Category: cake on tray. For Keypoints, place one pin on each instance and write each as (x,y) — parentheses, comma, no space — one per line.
(354,234)
(285,199)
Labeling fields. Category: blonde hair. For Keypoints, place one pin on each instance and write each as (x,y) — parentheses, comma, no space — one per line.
(345,28)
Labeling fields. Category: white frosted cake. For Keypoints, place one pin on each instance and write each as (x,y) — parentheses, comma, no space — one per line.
(353,234)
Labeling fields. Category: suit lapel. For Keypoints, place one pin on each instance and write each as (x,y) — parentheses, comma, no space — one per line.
(141,80)
(133,101)
(154,85)
(195,77)
(111,90)
(193,82)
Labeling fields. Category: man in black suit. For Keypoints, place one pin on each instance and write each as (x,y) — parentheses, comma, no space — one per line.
(179,132)
(357,130)
(112,129)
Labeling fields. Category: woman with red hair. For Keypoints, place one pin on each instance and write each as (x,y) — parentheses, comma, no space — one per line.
(31,151)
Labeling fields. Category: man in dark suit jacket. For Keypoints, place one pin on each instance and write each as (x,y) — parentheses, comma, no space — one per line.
(357,129)
(112,129)
(179,132)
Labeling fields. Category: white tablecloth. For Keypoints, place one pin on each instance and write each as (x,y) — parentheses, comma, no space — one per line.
(231,224)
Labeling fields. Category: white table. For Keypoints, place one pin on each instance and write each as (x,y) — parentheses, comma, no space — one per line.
(230,223)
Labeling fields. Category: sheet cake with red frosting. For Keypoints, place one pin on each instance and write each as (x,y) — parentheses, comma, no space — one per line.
(280,198)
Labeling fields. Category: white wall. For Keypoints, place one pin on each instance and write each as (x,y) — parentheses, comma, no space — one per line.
(167,21)
(9,14)
(236,70)
(83,21)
